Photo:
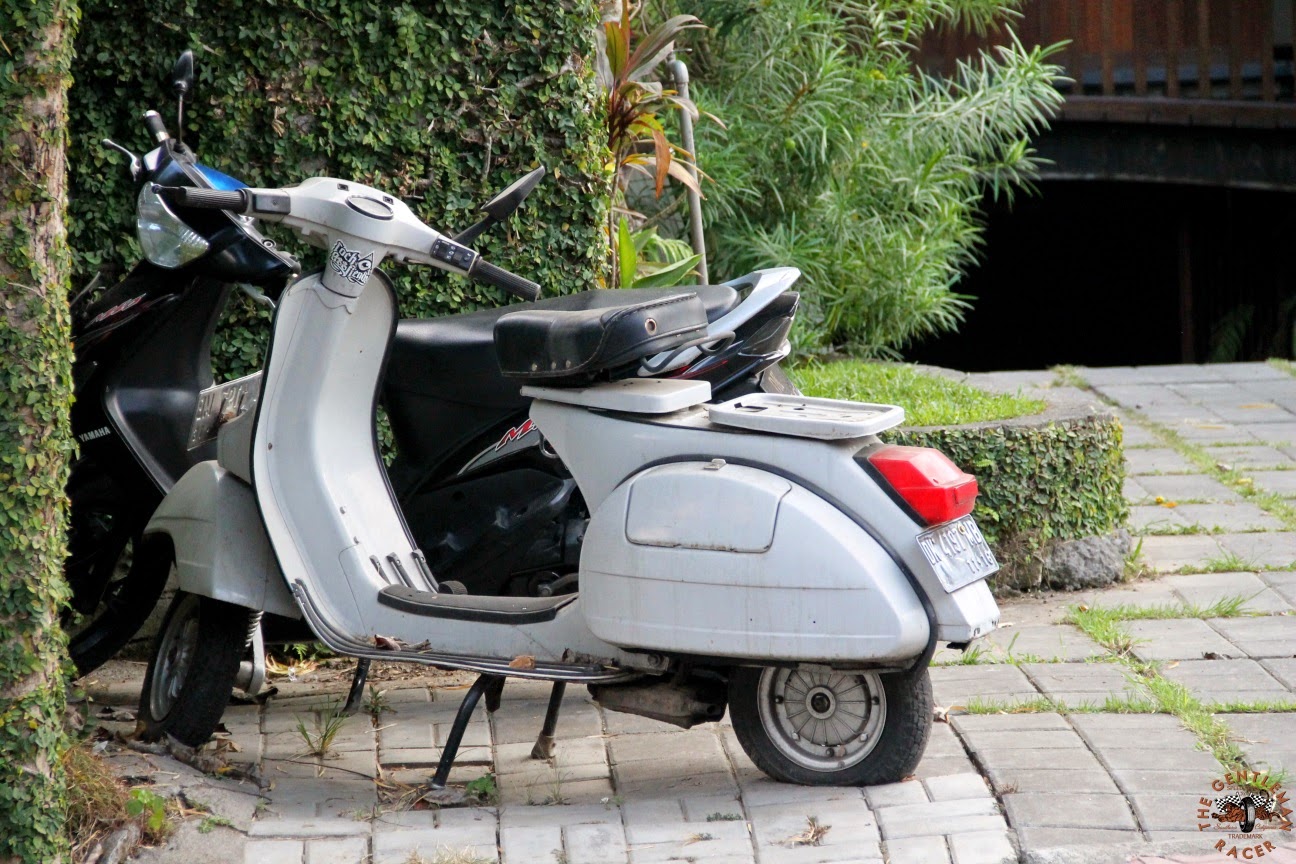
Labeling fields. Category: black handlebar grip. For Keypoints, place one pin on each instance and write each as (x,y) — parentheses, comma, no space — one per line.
(205,199)
(486,272)
(155,126)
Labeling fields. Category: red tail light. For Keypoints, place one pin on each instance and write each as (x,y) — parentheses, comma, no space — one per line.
(928,482)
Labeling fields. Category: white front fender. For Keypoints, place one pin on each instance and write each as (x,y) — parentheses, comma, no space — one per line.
(731,561)
(220,544)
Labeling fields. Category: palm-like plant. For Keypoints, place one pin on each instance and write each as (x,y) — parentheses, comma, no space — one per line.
(635,107)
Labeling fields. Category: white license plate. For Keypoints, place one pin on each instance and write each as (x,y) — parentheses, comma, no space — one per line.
(222,403)
(958,553)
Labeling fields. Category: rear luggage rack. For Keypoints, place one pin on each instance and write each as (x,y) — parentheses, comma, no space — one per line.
(806,417)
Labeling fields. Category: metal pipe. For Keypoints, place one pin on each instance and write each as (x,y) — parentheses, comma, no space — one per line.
(679,72)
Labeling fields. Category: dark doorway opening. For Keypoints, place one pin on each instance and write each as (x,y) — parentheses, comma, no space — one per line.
(1109,274)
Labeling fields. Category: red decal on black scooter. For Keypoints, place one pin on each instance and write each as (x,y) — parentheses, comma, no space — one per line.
(119,308)
(515,433)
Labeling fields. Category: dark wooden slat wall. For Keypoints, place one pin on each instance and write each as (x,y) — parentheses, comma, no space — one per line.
(1224,50)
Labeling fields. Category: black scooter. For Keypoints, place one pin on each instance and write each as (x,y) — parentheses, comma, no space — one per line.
(491,505)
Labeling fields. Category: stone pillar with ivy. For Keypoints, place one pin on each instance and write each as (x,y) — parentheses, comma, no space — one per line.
(35,433)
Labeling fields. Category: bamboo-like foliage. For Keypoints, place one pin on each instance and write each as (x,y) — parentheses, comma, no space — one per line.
(839,157)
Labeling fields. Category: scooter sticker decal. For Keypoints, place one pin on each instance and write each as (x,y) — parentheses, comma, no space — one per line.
(515,433)
(119,308)
(87,437)
(348,264)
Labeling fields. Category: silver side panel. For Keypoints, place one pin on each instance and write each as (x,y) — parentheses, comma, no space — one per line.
(603,451)
(221,547)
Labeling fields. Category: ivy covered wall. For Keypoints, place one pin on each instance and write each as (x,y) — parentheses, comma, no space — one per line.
(442,103)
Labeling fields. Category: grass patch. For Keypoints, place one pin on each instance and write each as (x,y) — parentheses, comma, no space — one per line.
(1264,706)
(1103,626)
(928,400)
(327,722)
(1113,704)
(1225,607)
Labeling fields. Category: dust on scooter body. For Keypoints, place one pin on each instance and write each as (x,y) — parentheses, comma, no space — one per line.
(768,554)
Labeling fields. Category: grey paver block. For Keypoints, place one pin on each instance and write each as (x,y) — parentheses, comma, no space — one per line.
(1270,549)
(1078,683)
(896,794)
(1279,434)
(1204,589)
(698,808)
(1137,435)
(1067,810)
(1045,740)
(943,766)
(518,816)
(915,820)
(1236,516)
(1282,668)
(1281,581)
(1248,414)
(917,850)
(1116,731)
(1251,456)
(1170,553)
(1134,491)
(951,825)
(760,791)
(1226,680)
(523,844)
(1156,460)
(1170,810)
(1139,594)
(1034,839)
(1267,739)
(698,745)
(1135,780)
(569,790)
(653,811)
(1279,482)
(1177,639)
(965,723)
(308,827)
(957,787)
(1068,759)
(1274,636)
(273,852)
(1207,431)
(347,850)
(1008,780)
(853,833)
(1154,519)
(1051,642)
(954,685)
(595,844)
(1149,756)
(982,847)
(1187,487)
(705,841)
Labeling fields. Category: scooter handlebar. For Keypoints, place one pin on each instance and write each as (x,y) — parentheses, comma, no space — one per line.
(236,200)
(488,274)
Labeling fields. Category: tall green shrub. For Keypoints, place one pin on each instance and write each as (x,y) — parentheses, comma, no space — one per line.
(840,158)
(35,432)
(441,101)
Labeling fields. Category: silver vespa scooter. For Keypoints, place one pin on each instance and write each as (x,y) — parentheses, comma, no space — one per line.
(769,554)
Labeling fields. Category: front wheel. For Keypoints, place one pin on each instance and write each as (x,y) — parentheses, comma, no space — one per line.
(823,727)
(191,673)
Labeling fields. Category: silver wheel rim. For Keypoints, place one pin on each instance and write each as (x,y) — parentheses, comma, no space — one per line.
(822,719)
(175,656)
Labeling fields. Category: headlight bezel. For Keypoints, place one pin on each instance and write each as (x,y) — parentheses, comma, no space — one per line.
(165,239)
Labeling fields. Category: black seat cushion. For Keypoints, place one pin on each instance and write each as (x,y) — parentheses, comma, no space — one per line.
(453,357)
(553,344)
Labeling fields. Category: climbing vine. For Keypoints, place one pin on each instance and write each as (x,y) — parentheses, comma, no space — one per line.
(35,432)
(443,103)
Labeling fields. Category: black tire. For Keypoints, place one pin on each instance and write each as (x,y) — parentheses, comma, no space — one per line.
(128,598)
(190,676)
(883,744)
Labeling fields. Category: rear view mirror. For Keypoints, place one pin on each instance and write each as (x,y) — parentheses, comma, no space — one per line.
(182,75)
(502,205)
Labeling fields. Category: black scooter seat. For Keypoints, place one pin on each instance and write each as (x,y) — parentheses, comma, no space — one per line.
(453,359)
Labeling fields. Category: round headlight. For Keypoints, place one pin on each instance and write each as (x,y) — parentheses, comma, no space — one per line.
(166,240)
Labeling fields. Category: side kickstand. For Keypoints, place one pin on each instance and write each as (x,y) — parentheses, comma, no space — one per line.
(544,746)
(451,749)
(357,687)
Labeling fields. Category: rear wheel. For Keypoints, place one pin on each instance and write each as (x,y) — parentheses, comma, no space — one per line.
(192,671)
(823,727)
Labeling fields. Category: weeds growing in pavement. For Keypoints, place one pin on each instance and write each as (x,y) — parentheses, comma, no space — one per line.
(1263,706)
(326,723)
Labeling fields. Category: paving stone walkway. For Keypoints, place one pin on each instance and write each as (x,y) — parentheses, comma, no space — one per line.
(1035,755)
